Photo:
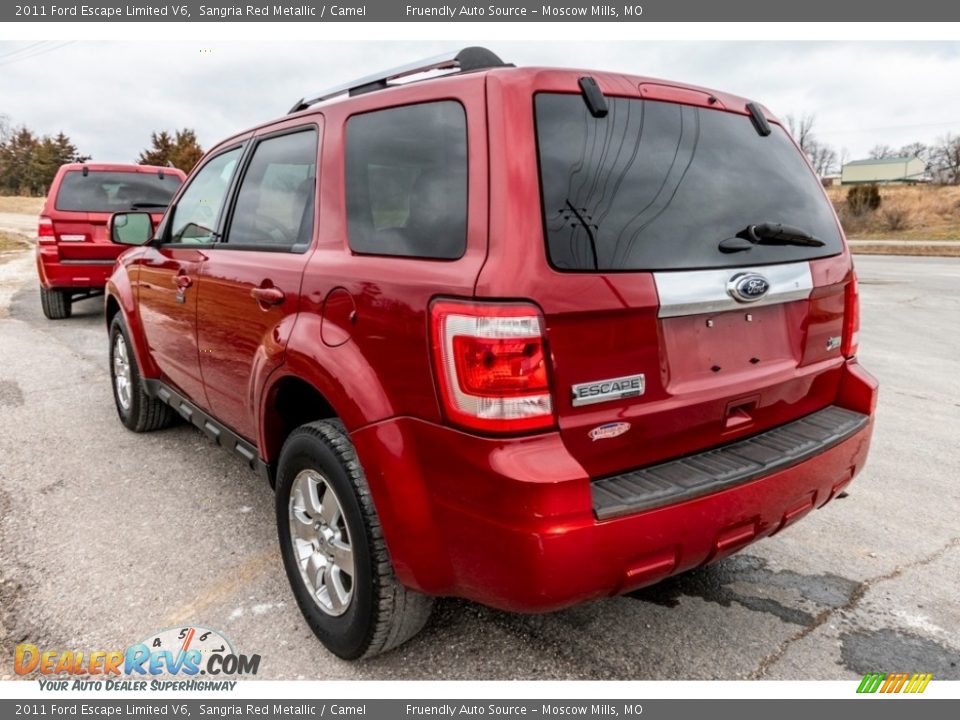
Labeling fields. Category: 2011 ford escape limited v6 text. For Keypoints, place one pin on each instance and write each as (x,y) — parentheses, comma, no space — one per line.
(523,336)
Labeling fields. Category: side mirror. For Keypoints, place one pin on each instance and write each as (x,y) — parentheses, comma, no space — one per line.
(131,228)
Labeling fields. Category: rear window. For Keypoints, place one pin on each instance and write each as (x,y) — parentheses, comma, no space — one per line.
(657,185)
(406,179)
(109,192)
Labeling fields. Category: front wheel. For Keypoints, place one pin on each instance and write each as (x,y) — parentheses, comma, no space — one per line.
(333,548)
(137,410)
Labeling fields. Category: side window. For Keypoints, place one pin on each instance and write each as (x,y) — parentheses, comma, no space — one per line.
(194,219)
(406,181)
(275,204)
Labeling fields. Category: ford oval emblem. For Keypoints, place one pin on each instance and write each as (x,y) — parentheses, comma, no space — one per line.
(748,287)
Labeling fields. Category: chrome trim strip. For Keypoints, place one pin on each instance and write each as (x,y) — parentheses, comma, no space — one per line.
(694,292)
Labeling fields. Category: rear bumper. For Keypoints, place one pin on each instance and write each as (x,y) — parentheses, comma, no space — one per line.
(57,273)
(511,523)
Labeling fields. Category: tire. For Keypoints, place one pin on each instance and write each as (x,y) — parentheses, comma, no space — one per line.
(379,613)
(138,411)
(56,304)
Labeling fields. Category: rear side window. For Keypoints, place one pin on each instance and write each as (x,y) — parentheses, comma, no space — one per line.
(274,207)
(109,192)
(406,181)
(657,185)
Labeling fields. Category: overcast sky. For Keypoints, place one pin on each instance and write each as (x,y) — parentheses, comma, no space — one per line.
(109,96)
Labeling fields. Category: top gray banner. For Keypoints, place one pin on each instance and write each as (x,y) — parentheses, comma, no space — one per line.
(510,11)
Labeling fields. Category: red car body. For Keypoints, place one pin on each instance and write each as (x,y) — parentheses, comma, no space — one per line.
(506,514)
(74,253)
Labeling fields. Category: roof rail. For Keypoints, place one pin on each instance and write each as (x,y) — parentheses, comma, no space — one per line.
(471,58)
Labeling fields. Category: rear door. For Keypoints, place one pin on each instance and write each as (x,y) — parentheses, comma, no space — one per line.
(167,273)
(662,343)
(249,286)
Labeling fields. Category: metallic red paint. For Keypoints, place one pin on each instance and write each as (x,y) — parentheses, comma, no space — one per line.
(505,521)
(509,522)
(85,264)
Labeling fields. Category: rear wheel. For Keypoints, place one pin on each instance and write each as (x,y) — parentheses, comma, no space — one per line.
(333,548)
(137,410)
(57,304)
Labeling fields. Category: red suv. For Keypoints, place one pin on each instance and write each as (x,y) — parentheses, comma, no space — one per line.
(74,252)
(524,336)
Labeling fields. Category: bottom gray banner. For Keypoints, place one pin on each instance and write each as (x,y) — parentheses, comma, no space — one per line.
(874,708)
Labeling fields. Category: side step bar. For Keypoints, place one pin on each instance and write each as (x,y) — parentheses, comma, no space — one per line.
(213,429)
(707,472)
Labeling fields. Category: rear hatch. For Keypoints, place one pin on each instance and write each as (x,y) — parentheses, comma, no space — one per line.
(85,200)
(663,342)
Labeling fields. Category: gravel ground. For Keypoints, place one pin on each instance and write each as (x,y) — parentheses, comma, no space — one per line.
(107,536)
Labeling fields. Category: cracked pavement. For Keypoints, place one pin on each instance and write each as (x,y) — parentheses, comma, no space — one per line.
(106,536)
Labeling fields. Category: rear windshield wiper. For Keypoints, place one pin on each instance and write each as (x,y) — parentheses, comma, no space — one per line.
(138,205)
(768,234)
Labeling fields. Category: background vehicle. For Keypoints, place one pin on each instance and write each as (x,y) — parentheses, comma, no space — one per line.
(524,336)
(74,252)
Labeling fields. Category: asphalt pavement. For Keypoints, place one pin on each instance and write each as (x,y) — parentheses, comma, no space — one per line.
(107,536)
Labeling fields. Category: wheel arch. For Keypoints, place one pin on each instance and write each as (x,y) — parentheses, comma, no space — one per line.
(119,299)
(288,402)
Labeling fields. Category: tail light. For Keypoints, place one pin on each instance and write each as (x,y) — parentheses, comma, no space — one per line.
(851,318)
(491,365)
(45,230)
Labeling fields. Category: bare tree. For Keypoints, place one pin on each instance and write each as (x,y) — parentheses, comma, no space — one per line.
(882,152)
(914,149)
(802,130)
(945,159)
(5,128)
(821,156)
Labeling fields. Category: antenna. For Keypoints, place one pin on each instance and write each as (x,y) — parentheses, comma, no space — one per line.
(466,60)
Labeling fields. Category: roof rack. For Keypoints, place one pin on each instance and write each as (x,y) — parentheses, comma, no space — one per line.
(466,60)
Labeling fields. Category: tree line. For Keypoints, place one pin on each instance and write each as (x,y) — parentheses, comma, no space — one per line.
(29,160)
(940,158)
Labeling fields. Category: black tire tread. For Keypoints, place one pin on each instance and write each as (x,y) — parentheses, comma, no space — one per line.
(150,413)
(400,613)
(56,304)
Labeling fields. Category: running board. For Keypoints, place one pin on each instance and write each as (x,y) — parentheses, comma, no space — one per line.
(724,467)
(209,426)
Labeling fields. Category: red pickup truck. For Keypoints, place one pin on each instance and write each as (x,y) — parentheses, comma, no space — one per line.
(74,253)
(525,336)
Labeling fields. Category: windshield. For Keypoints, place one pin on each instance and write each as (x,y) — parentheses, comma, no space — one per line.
(657,186)
(110,192)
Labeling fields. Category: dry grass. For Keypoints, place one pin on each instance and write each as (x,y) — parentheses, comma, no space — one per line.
(18,204)
(920,212)
(11,242)
(912,248)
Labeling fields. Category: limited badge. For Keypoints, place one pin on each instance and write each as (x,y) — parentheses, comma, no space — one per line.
(610,430)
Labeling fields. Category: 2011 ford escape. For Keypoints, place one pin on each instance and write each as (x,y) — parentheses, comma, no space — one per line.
(523,336)
(74,254)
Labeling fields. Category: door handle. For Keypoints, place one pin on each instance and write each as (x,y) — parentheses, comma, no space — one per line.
(182,281)
(267,295)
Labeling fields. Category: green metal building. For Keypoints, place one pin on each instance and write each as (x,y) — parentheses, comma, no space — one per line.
(884,171)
